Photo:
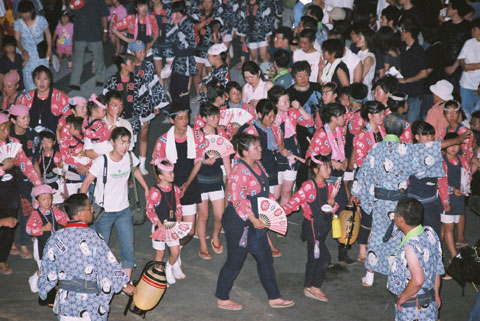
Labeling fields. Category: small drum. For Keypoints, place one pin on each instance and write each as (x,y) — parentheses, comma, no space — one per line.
(350,225)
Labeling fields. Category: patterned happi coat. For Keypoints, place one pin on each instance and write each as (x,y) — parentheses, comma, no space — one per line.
(428,251)
(388,165)
(182,37)
(80,252)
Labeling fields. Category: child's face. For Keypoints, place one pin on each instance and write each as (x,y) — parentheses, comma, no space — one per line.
(268,119)
(64,20)
(323,171)
(10,89)
(80,110)
(452,114)
(283,103)
(212,120)
(345,101)
(72,131)
(42,81)
(98,113)
(475,124)
(212,59)
(424,138)
(22,121)
(219,101)
(234,96)
(47,144)
(44,200)
(452,150)
(167,176)
(378,118)
(140,55)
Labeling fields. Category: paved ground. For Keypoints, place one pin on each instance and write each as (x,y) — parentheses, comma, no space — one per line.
(193,298)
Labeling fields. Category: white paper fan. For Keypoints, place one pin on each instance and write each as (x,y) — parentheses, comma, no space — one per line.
(218,146)
(84,160)
(273,215)
(234,116)
(172,231)
(9,150)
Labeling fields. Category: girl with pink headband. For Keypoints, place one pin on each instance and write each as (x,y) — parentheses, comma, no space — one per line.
(163,205)
(10,89)
(95,128)
(78,106)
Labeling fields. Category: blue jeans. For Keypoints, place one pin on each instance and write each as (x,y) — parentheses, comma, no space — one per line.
(469,99)
(414,104)
(475,313)
(123,224)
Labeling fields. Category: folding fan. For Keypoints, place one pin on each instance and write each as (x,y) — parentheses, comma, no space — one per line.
(234,116)
(9,150)
(272,215)
(218,146)
(172,231)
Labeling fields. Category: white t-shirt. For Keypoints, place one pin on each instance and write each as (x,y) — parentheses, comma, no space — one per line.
(471,53)
(312,58)
(116,189)
(368,79)
(351,60)
(105,146)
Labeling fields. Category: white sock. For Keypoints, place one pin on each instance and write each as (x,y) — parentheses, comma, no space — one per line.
(369,277)
(142,161)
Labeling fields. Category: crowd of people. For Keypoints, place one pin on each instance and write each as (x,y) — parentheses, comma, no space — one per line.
(367,103)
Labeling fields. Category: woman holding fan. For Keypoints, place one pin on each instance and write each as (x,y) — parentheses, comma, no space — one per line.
(244,231)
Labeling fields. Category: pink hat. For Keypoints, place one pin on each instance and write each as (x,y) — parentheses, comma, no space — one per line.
(11,77)
(3,118)
(42,189)
(77,100)
(18,110)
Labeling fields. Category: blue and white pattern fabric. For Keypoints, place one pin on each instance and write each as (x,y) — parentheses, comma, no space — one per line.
(77,252)
(182,37)
(388,165)
(428,251)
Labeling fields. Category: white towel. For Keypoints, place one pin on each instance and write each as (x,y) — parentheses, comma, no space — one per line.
(171,149)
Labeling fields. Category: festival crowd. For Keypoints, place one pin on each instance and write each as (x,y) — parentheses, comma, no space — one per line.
(371,106)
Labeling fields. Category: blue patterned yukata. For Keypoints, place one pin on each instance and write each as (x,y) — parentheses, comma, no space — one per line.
(428,251)
(388,166)
(81,253)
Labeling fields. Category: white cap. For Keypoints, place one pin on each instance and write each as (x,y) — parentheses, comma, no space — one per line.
(217,49)
(337,14)
(443,89)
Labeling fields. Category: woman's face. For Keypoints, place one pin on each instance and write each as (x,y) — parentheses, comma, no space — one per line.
(378,118)
(234,96)
(268,119)
(10,89)
(254,151)
(129,66)
(361,42)
(207,5)
(142,10)
(283,103)
(23,121)
(323,171)
(81,110)
(42,82)
(339,120)
(301,78)
(252,79)
(380,95)
(26,16)
(212,120)
(328,95)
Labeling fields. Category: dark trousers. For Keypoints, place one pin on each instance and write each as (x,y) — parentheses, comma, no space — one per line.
(365,227)
(315,269)
(431,215)
(257,246)
(25,239)
(179,89)
(6,234)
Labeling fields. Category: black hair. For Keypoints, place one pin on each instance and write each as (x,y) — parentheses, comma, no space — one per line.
(180,7)
(461,6)
(396,100)
(275,93)
(388,84)
(476,23)
(301,65)
(9,41)
(385,40)
(341,31)
(74,204)
(324,159)
(371,107)
(344,91)
(333,47)
(475,114)
(47,134)
(450,135)
(309,34)
(457,104)
(282,58)
(233,84)
(309,23)
(111,94)
(157,170)
(214,90)
(409,24)
(209,110)
(26,6)
(91,106)
(392,13)
(316,12)
(120,132)
(252,67)
(411,210)
(137,3)
(327,111)
(37,71)
(264,107)
(358,91)
(394,125)
(422,128)
(119,60)
(242,141)
(369,36)
(286,32)
(76,122)
(174,108)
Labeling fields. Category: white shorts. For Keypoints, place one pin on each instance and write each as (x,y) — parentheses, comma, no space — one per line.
(67,318)
(228,37)
(256,45)
(189,210)
(213,196)
(449,218)
(160,246)
(272,189)
(287,175)
(204,61)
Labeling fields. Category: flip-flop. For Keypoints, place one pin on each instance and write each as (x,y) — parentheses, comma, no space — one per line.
(231,307)
(461,244)
(6,270)
(309,294)
(14,251)
(282,305)
(217,249)
(26,256)
(205,255)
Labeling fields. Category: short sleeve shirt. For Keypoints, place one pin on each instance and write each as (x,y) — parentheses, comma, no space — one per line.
(87,21)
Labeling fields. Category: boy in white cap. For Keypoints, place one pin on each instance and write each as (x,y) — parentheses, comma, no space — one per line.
(442,91)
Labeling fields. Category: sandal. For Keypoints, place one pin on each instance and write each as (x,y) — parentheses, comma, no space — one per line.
(205,255)
(231,306)
(276,253)
(26,255)
(309,294)
(458,245)
(5,269)
(283,304)
(14,250)
(217,249)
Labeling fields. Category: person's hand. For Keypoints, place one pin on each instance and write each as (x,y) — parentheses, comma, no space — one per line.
(456,192)
(208,20)
(402,81)
(202,89)
(210,161)
(130,289)
(82,170)
(49,54)
(257,223)
(400,302)
(331,202)
(354,200)
(183,189)
(8,222)
(8,163)
(146,195)
(25,55)
(253,102)
(446,207)
(47,227)
(295,104)
(438,300)
(463,136)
